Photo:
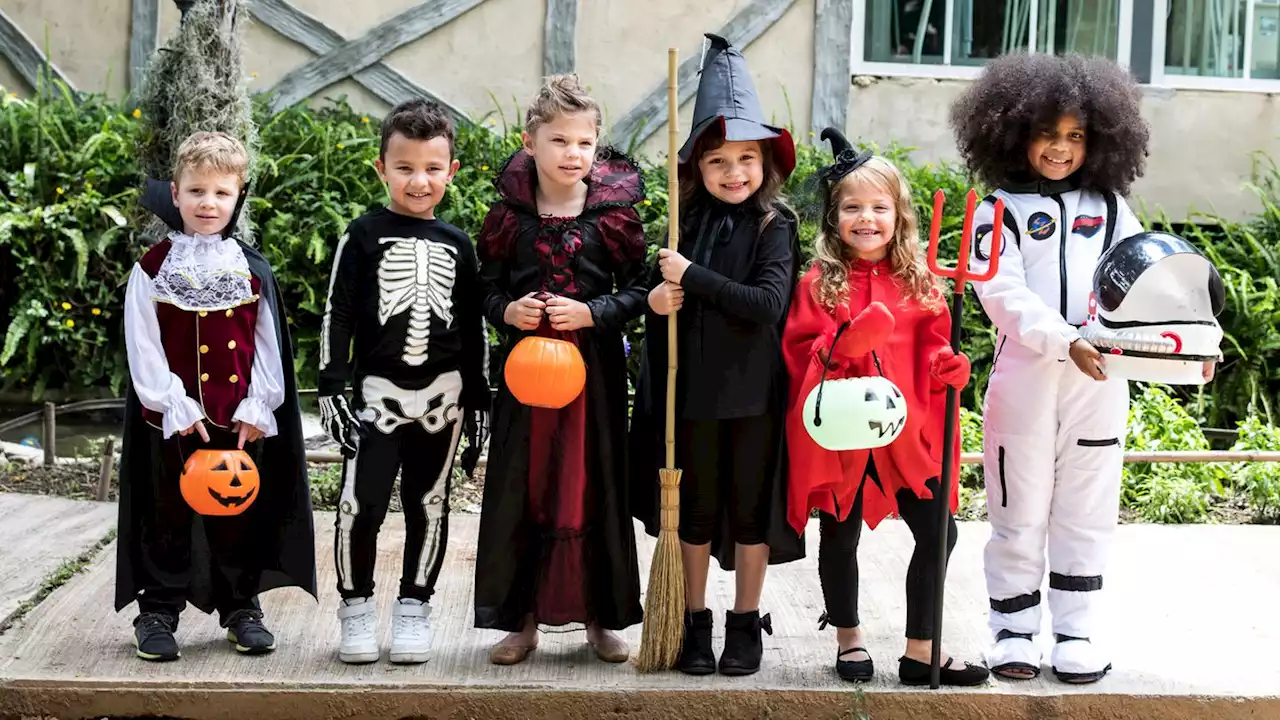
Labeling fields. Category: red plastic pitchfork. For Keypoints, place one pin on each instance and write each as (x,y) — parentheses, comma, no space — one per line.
(960,276)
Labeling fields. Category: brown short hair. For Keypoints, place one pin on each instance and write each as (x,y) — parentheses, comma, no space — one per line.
(559,95)
(212,150)
(417,119)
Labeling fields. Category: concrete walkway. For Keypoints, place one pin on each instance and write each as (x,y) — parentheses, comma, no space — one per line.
(1192,625)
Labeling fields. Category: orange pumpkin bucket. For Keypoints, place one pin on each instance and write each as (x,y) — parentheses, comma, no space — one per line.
(219,482)
(545,372)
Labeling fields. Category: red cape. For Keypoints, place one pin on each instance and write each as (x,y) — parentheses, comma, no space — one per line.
(830,480)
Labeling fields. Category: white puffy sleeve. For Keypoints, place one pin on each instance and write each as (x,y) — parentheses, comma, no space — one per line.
(158,389)
(266,388)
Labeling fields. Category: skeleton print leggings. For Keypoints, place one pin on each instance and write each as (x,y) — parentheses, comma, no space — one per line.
(415,432)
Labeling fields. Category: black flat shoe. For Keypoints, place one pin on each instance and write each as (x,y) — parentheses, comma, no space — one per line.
(914,672)
(855,670)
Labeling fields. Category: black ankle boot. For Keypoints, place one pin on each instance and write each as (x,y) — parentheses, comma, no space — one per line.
(696,655)
(742,643)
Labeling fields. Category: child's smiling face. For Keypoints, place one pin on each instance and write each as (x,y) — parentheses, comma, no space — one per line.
(416,173)
(734,171)
(205,197)
(1057,150)
(866,218)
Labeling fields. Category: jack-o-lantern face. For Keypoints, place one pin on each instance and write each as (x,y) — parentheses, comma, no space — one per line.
(219,482)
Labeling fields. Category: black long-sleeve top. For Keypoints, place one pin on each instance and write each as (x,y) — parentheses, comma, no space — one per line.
(404,304)
(737,291)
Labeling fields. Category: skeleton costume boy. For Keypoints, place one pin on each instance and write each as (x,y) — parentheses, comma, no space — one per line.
(1052,466)
(405,290)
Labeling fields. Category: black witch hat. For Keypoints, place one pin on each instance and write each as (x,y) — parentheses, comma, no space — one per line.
(727,100)
(812,199)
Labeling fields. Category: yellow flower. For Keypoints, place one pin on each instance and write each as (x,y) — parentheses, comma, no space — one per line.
(810,133)
(484,168)
(340,146)
(66,306)
(97,311)
(648,202)
(137,113)
(58,190)
(253,74)
(13,96)
(365,120)
(71,323)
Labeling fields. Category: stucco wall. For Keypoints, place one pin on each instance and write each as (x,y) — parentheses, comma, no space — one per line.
(493,54)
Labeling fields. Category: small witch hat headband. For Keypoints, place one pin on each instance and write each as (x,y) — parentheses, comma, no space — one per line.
(847,159)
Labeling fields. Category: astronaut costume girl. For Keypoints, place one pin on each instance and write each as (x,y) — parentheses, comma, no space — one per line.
(1054,437)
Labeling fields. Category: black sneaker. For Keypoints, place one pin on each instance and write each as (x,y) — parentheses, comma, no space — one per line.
(696,654)
(251,637)
(153,636)
(743,645)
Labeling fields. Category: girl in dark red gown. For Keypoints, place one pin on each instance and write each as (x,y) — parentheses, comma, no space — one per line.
(562,255)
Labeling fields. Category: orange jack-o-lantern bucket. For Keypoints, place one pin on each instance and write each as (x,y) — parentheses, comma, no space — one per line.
(219,482)
(545,372)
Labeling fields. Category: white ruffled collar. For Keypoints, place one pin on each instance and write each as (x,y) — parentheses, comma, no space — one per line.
(204,272)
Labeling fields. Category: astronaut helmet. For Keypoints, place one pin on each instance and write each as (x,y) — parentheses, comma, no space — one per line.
(1153,310)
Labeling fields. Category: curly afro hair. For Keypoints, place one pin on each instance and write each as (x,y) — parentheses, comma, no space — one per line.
(1020,93)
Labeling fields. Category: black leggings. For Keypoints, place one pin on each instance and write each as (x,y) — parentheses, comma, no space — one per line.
(725,463)
(838,559)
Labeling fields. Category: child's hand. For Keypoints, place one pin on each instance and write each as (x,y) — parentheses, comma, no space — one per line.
(1208,369)
(666,298)
(672,264)
(568,314)
(1088,359)
(340,423)
(248,433)
(950,368)
(865,333)
(197,427)
(525,313)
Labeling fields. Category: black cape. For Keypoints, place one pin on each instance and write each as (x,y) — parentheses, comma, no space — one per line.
(285,541)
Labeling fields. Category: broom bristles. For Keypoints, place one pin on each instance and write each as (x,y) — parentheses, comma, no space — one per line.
(663,631)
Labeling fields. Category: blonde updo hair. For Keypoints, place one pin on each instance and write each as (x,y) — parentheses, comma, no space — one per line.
(212,151)
(906,258)
(559,95)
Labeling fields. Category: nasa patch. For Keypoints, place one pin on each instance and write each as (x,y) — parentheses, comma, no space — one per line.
(1041,226)
(1087,225)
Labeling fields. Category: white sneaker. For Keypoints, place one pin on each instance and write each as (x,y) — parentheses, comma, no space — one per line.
(410,631)
(359,620)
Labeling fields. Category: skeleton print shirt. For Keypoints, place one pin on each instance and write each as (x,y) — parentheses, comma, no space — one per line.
(404,305)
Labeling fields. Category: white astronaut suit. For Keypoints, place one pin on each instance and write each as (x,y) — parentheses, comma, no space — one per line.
(1053,436)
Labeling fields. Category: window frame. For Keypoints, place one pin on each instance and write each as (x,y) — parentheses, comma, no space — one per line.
(1159,43)
(946,71)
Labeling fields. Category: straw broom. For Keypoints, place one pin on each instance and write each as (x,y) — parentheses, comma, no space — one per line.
(663,630)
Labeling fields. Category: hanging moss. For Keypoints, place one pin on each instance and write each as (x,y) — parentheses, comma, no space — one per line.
(196,81)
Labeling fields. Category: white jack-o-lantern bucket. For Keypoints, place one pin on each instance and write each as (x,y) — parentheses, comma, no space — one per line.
(857,413)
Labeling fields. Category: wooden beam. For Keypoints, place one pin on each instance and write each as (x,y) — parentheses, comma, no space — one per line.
(646,117)
(144,27)
(25,55)
(832,69)
(560,37)
(387,83)
(354,55)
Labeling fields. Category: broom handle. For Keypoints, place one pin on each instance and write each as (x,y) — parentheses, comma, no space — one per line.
(673,242)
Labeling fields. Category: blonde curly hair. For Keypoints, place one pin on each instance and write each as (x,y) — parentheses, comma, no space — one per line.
(906,257)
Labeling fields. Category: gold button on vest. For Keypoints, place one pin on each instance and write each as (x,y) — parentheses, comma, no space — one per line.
(231,345)
(234,378)
(204,377)
(204,313)
(204,349)
(230,313)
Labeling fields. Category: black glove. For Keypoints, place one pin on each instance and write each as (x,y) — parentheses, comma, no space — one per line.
(475,426)
(340,423)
